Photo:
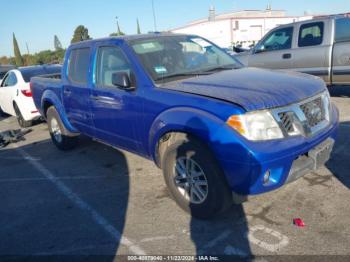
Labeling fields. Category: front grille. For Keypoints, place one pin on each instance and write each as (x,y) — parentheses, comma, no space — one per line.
(314,111)
(287,120)
(304,118)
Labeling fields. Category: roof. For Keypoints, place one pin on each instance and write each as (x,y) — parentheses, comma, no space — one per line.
(243,14)
(127,38)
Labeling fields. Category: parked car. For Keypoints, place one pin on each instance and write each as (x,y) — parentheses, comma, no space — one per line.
(319,47)
(212,126)
(15,95)
(4,69)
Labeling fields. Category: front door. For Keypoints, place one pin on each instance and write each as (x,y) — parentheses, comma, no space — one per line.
(116,112)
(77,91)
(274,50)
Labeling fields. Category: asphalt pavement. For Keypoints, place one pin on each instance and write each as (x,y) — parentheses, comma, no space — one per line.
(96,200)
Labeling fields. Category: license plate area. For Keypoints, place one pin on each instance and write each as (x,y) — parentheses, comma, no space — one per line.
(321,153)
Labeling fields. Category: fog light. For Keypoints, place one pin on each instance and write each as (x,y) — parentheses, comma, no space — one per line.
(266,177)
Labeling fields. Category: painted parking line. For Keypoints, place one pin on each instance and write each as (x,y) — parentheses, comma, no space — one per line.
(29,179)
(97,218)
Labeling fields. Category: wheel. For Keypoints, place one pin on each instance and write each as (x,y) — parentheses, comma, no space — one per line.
(22,123)
(194,179)
(58,132)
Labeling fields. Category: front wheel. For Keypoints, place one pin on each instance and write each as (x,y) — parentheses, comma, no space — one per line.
(58,131)
(22,123)
(194,179)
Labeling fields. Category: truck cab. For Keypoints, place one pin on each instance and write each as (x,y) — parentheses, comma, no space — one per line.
(320,47)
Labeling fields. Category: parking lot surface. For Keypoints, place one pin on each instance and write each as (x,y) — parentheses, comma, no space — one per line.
(96,200)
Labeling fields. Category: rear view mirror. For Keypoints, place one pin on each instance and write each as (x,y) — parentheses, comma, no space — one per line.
(121,80)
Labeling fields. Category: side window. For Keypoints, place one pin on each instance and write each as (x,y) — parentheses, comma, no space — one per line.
(277,40)
(10,80)
(4,80)
(78,67)
(110,60)
(342,30)
(310,34)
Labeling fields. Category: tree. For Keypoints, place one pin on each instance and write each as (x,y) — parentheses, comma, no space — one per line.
(18,57)
(57,43)
(81,33)
(138,26)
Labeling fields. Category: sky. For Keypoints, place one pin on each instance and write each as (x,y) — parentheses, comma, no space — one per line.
(35,22)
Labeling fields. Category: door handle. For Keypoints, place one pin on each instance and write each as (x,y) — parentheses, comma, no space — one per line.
(104,98)
(67,92)
(286,56)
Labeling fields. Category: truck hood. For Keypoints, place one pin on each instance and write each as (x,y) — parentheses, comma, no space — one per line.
(252,88)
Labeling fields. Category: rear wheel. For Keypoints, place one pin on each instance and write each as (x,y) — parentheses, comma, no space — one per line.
(58,132)
(22,123)
(194,179)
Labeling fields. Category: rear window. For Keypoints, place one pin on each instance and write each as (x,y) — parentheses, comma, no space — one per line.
(79,65)
(2,75)
(311,34)
(342,30)
(27,74)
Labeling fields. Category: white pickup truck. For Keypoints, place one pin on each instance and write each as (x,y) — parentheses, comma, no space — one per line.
(319,47)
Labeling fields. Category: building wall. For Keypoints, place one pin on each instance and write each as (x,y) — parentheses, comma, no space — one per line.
(232,31)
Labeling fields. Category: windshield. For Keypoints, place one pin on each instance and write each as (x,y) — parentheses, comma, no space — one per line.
(169,57)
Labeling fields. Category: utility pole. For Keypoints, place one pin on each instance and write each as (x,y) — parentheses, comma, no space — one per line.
(154,17)
(27,48)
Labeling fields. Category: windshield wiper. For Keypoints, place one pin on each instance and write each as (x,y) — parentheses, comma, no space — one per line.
(181,74)
(219,68)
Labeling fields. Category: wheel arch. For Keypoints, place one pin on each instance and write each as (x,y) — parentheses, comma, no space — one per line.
(182,123)
(49,98)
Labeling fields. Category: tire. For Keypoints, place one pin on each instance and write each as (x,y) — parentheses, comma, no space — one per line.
(58,132)
(22,123)
(217,196)
(1,112)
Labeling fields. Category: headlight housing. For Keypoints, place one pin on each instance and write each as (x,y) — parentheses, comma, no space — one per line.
(256,126)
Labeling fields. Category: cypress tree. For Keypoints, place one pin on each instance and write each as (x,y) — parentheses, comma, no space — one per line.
(138,26)
(57,43)
(18,57)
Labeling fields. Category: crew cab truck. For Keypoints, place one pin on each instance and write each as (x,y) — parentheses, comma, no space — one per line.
(320,47)
(212,126)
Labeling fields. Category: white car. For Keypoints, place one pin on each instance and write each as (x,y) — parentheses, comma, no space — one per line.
(16,96)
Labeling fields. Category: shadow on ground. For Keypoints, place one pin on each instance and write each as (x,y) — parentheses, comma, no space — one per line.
(39,216)
(339,163)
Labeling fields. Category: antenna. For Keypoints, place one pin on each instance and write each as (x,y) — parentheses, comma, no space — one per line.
(154,17)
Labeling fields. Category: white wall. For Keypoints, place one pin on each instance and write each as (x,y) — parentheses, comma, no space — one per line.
(224,32)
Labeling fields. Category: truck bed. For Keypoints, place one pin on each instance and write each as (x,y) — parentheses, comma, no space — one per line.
(45,83)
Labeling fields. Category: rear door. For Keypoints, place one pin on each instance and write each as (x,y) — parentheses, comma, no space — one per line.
(77,90)
(341,52)
(7,92)
(116,112)
(313,49)
(274,50)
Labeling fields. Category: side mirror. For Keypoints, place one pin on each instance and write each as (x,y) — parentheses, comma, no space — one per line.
(121,80)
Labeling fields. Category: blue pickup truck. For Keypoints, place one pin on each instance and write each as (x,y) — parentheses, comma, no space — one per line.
(215,128)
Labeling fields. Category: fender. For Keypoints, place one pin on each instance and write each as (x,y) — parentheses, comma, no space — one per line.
(201,124)
(51,97)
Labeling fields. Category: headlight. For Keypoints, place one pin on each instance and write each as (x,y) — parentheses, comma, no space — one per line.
(256,126)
